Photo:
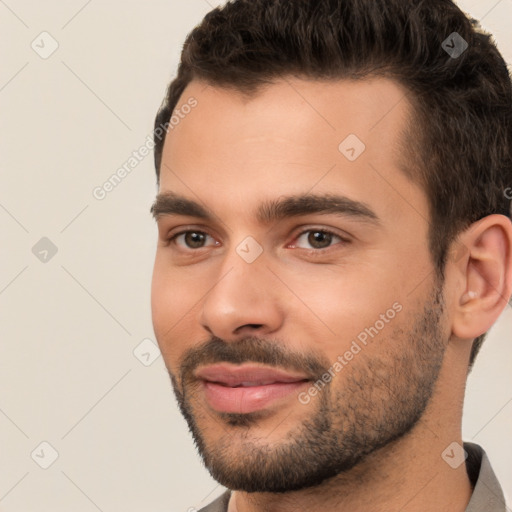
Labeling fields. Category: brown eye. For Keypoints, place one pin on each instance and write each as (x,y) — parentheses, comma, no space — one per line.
(317,239)
(192,239)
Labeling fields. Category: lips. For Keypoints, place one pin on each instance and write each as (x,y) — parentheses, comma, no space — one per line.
(246,375)
(247,388)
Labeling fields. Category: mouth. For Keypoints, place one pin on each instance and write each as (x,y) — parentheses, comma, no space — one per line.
(247,388)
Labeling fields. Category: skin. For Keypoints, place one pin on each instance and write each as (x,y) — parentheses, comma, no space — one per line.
(231,154)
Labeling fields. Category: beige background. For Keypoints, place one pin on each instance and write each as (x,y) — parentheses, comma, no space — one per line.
(70,325)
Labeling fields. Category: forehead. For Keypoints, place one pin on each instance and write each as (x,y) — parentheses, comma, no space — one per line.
(297,108)
(291,137)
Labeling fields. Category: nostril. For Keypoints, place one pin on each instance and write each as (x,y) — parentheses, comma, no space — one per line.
(251,326)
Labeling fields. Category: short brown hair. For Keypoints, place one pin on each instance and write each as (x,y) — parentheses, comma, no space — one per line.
(459,145)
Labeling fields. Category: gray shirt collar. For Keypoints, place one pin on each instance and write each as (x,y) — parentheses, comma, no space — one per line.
(487,494)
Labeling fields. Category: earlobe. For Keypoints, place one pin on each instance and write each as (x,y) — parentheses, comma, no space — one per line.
(486,270)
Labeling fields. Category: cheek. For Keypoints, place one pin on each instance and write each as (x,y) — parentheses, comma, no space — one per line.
(167,305)
(171,293)
(341,305)
(175,297)
(161,299)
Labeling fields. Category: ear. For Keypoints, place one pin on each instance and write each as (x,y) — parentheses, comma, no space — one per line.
(484,270)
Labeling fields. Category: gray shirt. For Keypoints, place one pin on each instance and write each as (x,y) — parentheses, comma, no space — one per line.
(487,494)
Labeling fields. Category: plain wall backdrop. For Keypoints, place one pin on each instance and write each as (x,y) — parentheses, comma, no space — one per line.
(75,322)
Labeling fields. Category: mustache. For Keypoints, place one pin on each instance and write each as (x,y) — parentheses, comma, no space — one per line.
(251,350)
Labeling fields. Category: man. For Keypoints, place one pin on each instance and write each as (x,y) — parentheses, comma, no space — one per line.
(334,242)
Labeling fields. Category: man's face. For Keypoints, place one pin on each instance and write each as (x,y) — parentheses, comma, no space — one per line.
(295,303)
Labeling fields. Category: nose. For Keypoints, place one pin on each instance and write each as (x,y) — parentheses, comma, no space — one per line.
(243,302)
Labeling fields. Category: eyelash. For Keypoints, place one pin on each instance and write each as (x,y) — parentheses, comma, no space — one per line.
(172,239)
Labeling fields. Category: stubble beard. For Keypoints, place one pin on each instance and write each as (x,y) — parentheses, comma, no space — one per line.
(371,403)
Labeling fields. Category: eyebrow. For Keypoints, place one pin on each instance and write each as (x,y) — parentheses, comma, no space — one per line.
(170,203)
